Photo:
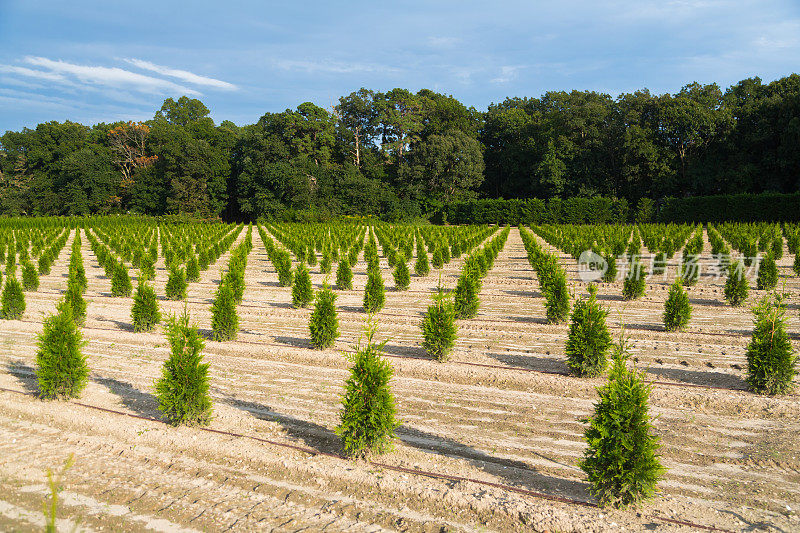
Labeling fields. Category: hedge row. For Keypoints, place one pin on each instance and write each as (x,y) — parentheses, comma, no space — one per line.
(535,211)
(766,207)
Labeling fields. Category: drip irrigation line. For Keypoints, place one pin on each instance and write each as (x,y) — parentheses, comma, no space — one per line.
(413,471)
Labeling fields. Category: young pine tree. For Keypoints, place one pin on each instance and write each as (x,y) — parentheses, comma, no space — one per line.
(402,278)
(374,292)
(176,284)
(74,299)
(556,295)
(736,286)
(621,459)
(767,274)
(60,363)
(438,327)
(771,360)
(324,324)
(120,281)
(677,310)
(30,277)
(302,292)
(465,296)
(437,260)
(589,340)
(421,267)
(182,391)
(224,320)
(367,418)
(634,285)
(13,299)
(192,269)
(344,276)
(144,312)
(234,278)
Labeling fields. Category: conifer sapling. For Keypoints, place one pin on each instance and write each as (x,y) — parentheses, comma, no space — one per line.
(324,324)
(677,310)
(589,341)
(60,364)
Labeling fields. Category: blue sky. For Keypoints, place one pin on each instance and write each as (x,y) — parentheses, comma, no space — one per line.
(106,61)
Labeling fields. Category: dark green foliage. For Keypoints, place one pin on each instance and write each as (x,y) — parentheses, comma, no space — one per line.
(147,268)
(677,310)
(589,341)
(144,312)
(325,262)
(176,284)
(402,277)
(736,286)
(367,418)
(44,265)
(13,300)
(234,278)
(324,324)
(224,320)
(182,391)
(659,263)
(60,364)
(202,260)
(192,269)
(74,299)
(767,274)
(302,292)
(796,264)
(771,360)
(439,328)
(374,292)
(621,458)
(30,278)
(634,284)
(465,296)
(344,276)
(120,281)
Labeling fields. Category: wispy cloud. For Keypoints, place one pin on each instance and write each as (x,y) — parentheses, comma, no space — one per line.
(107,76)
(184,75)
(443,42)
(332,67)
(31,73)
(507,73)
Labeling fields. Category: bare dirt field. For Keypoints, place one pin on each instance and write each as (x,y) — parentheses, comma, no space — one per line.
(500,411)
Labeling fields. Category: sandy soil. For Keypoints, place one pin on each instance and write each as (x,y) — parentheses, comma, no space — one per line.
(733,457)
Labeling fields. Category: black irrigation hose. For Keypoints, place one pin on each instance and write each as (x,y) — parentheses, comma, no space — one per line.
(413,471)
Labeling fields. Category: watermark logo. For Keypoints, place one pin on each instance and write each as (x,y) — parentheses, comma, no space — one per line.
(591,266)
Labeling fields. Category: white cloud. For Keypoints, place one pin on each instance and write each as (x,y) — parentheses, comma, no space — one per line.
(333,67)
(443,42)
(184,75)
(507,73)
(107,76)
(31,73)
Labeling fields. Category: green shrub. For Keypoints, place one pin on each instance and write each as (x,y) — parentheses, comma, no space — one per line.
(437,260)
(324,324)
(556,295)
(767,274)
(736,286)
(302,292)
(182,391)
(147,268)
(438,327)
(224,320)
(374,292)
(677,310)
(74,299)
(30,278)
(610,275)
(192,269)
(367,418)
(771,359)
(176,284)
(325,262)
(120,281)
(344,276)
(465,296)
(422,267)
(234,278)
(60,364)
(589,340)
(621,459)
(13,300)
(402,277)
(634,285)
(796,264)
(144,312)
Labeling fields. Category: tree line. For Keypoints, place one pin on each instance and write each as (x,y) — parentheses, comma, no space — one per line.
(400,155)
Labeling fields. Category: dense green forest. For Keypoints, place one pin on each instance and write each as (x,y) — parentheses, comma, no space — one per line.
(401,155)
